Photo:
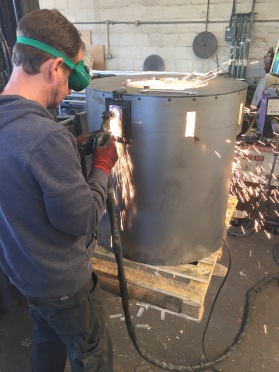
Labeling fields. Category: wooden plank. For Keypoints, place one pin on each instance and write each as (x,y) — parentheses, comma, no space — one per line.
(184,272)
(143,294)
(232,203)
(201,288)
(180,289)
(85,37)
(147,280)
(156,287)
(98,54)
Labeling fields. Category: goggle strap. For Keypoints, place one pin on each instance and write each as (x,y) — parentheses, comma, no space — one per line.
(46,48)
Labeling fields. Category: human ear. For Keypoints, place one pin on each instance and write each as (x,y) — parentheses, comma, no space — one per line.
(55,68)
(57,63)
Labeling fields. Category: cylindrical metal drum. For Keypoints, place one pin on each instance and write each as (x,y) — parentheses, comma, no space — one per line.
(182,149)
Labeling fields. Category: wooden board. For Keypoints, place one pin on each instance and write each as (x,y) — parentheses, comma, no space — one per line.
(85,37)
(98,54)
(180,289)
(232,203)
(94,56)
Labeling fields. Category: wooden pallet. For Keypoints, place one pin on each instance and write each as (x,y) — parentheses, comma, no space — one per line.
(232,203)
(180,289)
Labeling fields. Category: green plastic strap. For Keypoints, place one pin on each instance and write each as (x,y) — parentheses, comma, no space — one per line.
(46,48)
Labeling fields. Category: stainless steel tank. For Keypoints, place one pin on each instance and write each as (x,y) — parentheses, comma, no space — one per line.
(181,178)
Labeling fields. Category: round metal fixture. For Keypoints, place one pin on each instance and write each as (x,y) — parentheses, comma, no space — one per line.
(153,63)
(205,44)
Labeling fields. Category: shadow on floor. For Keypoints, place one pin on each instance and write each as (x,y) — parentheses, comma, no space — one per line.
(178,340)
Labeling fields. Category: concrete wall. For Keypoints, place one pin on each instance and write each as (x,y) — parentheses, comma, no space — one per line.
(171,29)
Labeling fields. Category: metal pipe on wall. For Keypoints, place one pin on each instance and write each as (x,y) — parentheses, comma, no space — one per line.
(240,41)
(248,40)
(233,49)
(138,23)
(207,12)
(107,54)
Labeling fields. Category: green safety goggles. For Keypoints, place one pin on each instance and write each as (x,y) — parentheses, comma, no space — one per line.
(79,78)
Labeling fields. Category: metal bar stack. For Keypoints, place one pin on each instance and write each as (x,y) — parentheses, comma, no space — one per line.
(240,45)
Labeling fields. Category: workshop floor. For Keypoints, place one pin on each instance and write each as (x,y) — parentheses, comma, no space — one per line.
(177,340)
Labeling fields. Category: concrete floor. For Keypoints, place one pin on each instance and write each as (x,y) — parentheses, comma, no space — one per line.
(178,340)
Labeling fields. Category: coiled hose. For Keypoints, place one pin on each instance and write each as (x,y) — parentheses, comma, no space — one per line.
(117,247)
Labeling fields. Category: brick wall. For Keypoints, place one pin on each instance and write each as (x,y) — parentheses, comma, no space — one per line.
(130,43)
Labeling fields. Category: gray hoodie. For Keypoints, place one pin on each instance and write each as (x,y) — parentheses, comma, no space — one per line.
(47,210)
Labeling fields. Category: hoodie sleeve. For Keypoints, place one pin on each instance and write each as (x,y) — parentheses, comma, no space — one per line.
(71,205)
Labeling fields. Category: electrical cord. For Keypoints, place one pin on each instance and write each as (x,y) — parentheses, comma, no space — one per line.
(117,248)
(232,233)
(214,302)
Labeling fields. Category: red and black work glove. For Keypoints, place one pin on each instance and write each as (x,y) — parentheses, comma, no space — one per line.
(85,143)
(105,153)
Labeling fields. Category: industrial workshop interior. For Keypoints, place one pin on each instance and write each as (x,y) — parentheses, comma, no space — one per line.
(188,260)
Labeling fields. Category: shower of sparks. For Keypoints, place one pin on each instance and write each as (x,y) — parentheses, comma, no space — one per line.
(257,194)
(254,107)
(217,154)
(189,81)
(267,234)
(256,149)
(122,172)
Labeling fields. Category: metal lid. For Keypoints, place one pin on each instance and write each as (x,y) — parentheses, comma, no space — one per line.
(216,86)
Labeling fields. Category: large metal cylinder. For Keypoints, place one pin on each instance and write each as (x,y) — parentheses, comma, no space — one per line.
(181,184)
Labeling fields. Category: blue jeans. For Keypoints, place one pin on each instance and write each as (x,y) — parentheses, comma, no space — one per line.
(71,325)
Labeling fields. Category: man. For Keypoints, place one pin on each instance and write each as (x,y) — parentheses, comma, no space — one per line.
(48,213)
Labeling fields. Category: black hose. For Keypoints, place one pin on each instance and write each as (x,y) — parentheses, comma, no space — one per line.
(233,12)
(215,300)
(117,247)
(232,233)
(7,57)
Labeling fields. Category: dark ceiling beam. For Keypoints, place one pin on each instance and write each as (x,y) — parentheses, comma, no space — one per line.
(8,21)
(11,12)
(22,7)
